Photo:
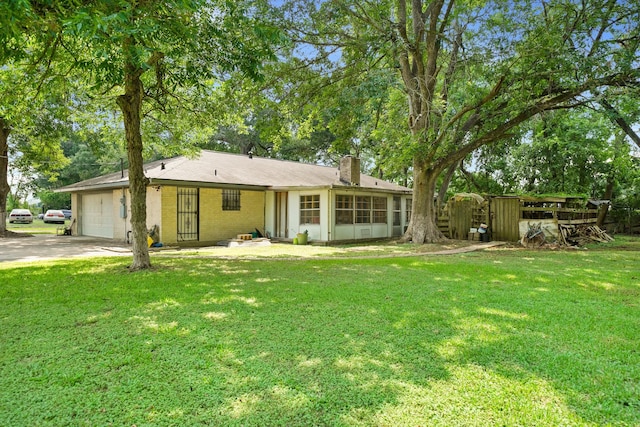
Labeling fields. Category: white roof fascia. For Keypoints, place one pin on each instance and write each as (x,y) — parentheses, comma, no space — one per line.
(94,187)
(201,184)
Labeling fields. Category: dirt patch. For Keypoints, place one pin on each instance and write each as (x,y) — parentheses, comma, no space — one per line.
(445,246)
(284,252)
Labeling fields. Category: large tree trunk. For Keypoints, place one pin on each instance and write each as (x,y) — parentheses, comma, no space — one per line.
(4,168)
(131,105)
(423,227)
(608,194)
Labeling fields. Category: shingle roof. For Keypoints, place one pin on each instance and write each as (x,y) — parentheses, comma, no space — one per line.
(212,167)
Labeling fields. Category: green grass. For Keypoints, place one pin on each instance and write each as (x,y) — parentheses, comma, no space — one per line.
(36,227)
(621,243)
(502,337)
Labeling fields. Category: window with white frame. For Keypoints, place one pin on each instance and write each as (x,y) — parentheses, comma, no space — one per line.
(344,209)
(360,209)
(379,210)
(310,209)
(409,207)
(397,210)
(363,209)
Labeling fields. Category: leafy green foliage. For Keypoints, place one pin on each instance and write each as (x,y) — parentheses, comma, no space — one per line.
(473,73)
(37,122)
(501,337)
(570,152)
(52,200)
(158,58)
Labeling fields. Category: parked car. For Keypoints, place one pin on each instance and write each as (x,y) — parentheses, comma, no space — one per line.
(67,213)
(20,215)
(54,216)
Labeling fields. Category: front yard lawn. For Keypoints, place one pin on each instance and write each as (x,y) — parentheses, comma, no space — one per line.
(36,227)
(502,337)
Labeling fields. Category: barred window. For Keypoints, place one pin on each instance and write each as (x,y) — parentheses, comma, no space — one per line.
(363,210)
(379,210)
(310,209)
(230,200)
(344,209)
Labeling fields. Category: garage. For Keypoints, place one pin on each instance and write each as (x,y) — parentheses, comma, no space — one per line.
(97,215)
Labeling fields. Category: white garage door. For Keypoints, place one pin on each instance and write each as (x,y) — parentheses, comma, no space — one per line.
(97,215)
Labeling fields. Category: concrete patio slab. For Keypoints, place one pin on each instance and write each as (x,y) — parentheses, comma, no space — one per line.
(46,246)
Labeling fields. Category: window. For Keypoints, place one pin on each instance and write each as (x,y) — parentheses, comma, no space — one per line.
(360,210)
(310,209)
(363,210)
(230,200)
(409,207)
(397,210)
(344,209)
(379,210)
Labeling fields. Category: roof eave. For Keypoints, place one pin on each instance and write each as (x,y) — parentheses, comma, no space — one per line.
(202,184)
(370,189)
(105,186)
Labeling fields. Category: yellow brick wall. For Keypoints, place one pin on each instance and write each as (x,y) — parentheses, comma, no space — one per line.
(169,223)
(215,224)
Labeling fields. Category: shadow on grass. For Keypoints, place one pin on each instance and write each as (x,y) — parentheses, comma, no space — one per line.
(483,340)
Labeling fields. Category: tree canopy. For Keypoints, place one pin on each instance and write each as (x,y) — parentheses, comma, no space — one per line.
(154,58)
(473,72)
(543,89)
(33,101)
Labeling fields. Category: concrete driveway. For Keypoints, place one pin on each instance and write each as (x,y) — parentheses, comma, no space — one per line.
(47,246)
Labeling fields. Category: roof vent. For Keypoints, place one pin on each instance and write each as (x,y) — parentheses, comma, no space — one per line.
(350,170)
(162,166)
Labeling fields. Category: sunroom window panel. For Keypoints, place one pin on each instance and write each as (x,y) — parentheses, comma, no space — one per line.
(379,210)
(397,210)
(344,209)
(363,210)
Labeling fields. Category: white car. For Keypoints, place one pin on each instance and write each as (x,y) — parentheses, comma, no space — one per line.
(20,215)
(54,216)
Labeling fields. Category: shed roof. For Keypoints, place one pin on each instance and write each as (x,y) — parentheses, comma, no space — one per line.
(214,168)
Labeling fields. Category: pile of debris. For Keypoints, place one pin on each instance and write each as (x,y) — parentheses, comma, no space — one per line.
(568,235)
(580,235)
(246,239)
(534,237)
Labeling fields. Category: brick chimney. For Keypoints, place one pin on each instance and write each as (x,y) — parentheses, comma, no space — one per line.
(350,170)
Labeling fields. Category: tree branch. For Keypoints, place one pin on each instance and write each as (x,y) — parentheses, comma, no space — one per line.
(555,102)
(617,118)
(490,96)
(602,29)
